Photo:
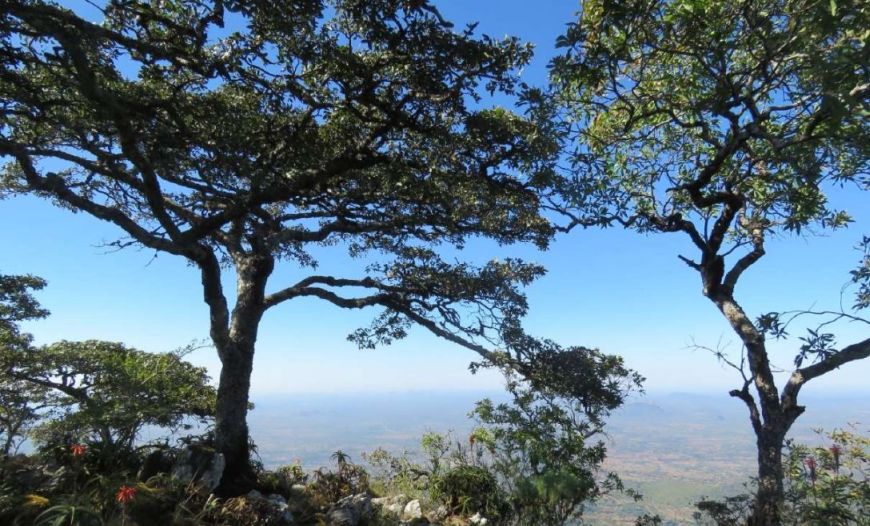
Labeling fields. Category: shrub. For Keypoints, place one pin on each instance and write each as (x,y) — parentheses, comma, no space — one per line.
(824,486)
(468,490)
(348,479)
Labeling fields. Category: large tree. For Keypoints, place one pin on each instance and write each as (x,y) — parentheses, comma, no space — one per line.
(728,122)
(240,134)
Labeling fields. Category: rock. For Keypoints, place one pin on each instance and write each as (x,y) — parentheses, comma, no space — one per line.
(477,519)
(439,514)
(254,494)
(277,504)
(350,511)
(391,506)
(158,461)
(280,504)
(201,464)
(395,509)
(412,510)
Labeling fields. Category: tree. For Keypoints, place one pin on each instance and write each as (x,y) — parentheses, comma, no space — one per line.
(105,392)
(536,458)
(342,122)
(20,402)
(545,443)
(729,123)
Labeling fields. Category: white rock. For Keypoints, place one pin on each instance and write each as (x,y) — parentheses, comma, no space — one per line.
(438,514)
(477,519)
(412,510)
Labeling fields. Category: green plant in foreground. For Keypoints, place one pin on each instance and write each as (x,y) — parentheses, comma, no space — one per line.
(824,486)
(69,515)
(471,489)
(828,485)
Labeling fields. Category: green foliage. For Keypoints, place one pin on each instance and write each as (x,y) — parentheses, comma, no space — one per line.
(107,392)
(829,485)
(20,402)
(282,479)
(685,120)
(347,479)
(470,489)
(68,515)
(398,474)
(17,304)
(534,460)
(321,122)
(99,392)
(730,511)
(861,276)
(543,443)
(825,486)
(729,123)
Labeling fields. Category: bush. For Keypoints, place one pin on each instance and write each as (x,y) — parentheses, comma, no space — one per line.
(348,479)
(395,475)
(468,490)
(824,486)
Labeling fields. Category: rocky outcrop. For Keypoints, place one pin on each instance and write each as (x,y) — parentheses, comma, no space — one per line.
(199,464)
(350,511)
(278,505)
(392,507)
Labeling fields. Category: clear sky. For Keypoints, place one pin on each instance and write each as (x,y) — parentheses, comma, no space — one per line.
(620,291)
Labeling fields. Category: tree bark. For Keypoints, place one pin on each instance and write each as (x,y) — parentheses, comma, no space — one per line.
(769,495)
(235,344)
(231,426)
(773,421)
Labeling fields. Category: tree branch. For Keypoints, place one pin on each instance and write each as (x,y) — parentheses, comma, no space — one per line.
(856,351)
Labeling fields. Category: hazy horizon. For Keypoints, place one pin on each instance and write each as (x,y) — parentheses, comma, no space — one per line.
(674,447)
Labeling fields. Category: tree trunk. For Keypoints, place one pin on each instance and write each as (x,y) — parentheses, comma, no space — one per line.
(769,495)
(236,350)
(773,421)
(231,426)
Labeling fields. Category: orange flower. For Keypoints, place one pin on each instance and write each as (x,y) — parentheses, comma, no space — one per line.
(125,494)
(78,450)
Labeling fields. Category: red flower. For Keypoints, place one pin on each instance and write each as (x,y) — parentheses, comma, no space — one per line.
(125,494)
(78,450)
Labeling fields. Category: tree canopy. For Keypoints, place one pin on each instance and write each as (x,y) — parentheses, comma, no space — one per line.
(729,123)
(107,392)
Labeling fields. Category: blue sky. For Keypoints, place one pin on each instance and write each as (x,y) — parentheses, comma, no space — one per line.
(620,291)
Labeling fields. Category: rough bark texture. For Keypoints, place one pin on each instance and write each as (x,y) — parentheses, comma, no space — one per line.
(770,489)
(235,337)
(231,427)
